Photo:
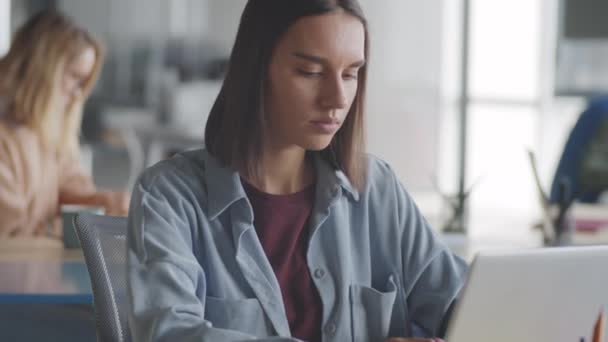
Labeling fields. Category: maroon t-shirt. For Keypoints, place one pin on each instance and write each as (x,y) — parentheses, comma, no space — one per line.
(281,222)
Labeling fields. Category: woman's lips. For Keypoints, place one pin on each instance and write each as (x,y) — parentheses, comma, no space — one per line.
(325,126)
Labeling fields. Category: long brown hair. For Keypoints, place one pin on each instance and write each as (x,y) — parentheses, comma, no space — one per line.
(31,71)
(235,128)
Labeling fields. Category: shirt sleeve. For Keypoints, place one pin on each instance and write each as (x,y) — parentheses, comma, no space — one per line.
(13,201)
(164,279)
(433,275)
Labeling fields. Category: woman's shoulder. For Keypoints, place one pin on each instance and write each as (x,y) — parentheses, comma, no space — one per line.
(382,183)
(191,179)
(181,170)
(379,172)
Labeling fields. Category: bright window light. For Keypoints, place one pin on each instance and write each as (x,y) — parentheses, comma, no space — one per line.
(504,54)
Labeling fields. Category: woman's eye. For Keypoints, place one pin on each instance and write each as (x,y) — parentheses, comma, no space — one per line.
(309,73)
(350,76)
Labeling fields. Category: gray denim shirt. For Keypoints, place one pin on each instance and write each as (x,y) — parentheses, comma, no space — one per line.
(197,270)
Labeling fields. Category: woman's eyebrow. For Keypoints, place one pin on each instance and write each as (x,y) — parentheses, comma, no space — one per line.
(321,60)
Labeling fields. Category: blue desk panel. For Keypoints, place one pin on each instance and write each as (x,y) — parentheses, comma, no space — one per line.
(44,282)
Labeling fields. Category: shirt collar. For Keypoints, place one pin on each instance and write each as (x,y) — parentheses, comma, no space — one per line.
(224,184)
(329,177)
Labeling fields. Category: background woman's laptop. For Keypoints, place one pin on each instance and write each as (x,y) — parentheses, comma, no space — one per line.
(537,295)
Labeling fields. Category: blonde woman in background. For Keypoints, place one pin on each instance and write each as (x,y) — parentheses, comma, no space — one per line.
(45,79)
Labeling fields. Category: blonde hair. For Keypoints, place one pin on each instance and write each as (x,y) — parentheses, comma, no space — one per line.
(31,74)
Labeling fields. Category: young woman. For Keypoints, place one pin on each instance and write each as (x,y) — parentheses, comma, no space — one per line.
(283,228)
(46,76)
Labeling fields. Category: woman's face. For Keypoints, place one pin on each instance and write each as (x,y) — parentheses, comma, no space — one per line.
(76,74)
(312,80)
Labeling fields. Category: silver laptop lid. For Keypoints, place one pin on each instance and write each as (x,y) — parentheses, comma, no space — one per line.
(551,294)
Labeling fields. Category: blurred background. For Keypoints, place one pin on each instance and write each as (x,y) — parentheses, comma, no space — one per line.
(493,114)
(458,92)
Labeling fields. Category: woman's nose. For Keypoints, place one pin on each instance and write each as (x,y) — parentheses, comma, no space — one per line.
(334,94)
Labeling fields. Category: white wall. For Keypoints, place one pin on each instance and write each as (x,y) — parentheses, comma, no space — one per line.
(5,25)
(224,21)
(123,19)
(449,121)
(405,86)
(153,20)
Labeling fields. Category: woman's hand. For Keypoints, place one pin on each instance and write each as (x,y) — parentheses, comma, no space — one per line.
(116,203)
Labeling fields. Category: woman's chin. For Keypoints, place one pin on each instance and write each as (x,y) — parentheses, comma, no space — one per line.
(318,144)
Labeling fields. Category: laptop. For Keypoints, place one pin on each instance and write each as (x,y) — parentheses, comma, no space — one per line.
(550,294)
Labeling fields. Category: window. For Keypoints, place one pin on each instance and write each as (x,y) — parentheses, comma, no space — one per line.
(505,90)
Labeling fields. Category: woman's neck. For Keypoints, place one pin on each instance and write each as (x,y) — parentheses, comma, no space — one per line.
(284,171)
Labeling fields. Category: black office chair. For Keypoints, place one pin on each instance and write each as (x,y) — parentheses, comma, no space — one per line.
(103,241)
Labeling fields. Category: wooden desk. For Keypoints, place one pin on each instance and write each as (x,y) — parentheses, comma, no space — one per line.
(42,271)
(45,294)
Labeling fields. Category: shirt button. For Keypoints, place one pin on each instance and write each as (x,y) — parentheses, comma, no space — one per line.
(330,329)
(319,273)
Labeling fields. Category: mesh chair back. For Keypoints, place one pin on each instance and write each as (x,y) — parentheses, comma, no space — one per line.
(103,240)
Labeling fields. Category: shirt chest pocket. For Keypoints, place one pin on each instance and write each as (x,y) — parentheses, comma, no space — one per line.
(371,311)
(244,315)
